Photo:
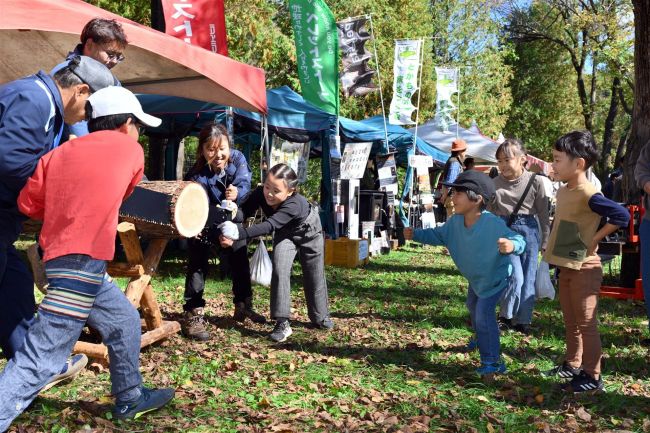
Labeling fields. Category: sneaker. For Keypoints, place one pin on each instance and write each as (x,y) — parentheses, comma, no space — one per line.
(193,325)
(72,367)
(583,382)
(522,328)
(326,324)
(564,370)
(281,331)
(504,324)
(245,310)
(149,400)
(493,368)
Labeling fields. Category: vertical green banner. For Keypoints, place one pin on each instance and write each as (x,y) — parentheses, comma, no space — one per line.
(317,49)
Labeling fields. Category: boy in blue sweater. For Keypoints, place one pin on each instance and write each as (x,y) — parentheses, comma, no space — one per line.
(479,243)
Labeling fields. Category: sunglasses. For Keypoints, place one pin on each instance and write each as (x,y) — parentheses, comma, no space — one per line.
(455,190)
(141,128)
(115,56)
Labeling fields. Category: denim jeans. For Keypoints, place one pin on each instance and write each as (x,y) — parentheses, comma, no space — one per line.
(518,299)
(17,305)
(644,232)
(51,338)
(484,322)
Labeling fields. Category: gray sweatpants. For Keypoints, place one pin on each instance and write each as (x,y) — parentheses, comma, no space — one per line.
(306,241)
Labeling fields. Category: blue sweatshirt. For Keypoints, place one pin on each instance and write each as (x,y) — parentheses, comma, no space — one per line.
(475,251)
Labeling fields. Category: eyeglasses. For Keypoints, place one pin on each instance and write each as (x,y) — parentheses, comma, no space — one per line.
(114,56)
(141,128)
(455,190)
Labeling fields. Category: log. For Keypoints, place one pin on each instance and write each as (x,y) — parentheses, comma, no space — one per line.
(130,243)
(124,270)
(136,287)
(167,209)
(150,309)
(38,269)
(92,350)
(166,330)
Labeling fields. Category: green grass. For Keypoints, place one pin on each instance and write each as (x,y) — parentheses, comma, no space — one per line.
(393,363)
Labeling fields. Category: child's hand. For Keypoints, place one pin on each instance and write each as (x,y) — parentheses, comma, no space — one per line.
(592,248)
(231,193)
(408,233)
(505,246)
(225,242)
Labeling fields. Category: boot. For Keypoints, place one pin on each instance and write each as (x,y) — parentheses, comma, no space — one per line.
(193,325)
(245,309)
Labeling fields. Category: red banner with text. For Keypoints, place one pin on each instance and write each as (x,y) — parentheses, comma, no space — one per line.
(197,22)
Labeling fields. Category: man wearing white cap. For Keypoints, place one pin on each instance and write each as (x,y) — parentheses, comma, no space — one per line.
(77,190)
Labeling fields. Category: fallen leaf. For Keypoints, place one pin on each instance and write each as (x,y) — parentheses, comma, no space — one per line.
(539,398)
(583,415)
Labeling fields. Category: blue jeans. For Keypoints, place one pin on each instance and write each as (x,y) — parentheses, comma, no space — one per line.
(518,299)
(644,232)
(484,321)
(17,305)
(51,338)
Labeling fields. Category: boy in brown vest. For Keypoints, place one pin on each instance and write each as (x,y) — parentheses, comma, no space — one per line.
(572,248)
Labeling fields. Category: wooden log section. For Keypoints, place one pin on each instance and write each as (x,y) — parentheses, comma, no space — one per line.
(167,209)
(124,270)
(100,351)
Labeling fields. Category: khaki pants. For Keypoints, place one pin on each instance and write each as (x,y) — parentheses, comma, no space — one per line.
(579,292)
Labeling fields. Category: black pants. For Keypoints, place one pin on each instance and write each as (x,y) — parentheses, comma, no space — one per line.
(197,271)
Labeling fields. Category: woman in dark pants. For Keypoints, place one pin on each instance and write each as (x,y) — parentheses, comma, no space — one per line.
(225,175)
(297,230)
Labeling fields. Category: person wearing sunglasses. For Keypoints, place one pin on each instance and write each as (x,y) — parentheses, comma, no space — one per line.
(105,41)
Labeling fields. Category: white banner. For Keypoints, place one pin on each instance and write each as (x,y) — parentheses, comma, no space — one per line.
(405,81)
(295,155)
(446,86)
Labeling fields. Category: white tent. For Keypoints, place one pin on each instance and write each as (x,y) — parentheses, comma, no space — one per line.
(478,145)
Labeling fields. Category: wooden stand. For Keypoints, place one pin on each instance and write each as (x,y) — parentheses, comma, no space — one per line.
(140,268)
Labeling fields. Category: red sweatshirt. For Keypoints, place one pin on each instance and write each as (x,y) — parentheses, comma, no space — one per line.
(77,190)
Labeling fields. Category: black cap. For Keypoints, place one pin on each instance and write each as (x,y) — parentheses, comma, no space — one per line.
(475,181)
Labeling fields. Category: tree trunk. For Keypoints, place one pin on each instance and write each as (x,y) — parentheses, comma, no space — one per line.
(609,127)
(640,132)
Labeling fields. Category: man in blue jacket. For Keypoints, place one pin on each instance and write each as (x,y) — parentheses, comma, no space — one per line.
(33,111)
(103,40)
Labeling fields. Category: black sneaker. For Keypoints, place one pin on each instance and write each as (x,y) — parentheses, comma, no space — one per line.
(281,331)
(150,400)
(583,383)
(564,370)
(504,324)
(522,328)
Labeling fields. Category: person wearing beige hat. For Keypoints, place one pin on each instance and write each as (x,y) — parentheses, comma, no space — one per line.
(453,167)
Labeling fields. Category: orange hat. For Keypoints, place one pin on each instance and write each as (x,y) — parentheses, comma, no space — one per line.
(458,145)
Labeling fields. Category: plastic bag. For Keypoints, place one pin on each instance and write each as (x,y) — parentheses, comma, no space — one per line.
(543,284)
(261,266)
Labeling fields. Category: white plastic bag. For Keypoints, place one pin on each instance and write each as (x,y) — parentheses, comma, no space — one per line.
(261,266)
(543,284)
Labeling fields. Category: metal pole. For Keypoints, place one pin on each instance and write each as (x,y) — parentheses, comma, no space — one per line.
(417,118)
(458,110)
(381,93)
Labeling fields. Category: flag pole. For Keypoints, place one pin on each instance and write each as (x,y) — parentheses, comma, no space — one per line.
(381,93)
(458,110)
(417,119)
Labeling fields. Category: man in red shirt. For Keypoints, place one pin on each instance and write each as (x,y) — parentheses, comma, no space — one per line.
(77,190)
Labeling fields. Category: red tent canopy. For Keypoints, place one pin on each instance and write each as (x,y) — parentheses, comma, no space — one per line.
(38,34)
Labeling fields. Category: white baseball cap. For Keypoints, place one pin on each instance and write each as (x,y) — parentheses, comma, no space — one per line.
(118,100)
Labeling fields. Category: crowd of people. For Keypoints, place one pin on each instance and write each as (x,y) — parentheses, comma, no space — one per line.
(52,126)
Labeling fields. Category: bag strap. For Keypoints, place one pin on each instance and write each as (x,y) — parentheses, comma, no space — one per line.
(521,200)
